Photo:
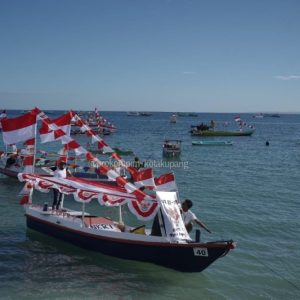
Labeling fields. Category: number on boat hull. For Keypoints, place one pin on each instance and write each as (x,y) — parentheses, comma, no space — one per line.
(200,252)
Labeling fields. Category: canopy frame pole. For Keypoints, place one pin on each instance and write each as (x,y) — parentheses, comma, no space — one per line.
(120,215)
(62,201)
(83,212)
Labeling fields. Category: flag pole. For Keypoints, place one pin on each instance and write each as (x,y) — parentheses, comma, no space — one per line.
(34,149)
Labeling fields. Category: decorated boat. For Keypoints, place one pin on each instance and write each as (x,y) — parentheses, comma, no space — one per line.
(167,243)
(210,132)
(174,248)
(212,143)
(172,148)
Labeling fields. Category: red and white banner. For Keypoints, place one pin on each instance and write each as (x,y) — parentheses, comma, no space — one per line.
(166,182)
(174,226)
(19,129)
(63,123)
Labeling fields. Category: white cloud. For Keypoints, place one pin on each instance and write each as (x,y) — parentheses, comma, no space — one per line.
(288,77)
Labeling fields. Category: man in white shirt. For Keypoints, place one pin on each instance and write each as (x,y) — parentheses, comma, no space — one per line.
(59,172)
(189,217)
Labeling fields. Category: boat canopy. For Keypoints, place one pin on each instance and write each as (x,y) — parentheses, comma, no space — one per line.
(85,190)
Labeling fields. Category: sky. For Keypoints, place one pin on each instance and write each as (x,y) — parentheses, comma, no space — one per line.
(158,55)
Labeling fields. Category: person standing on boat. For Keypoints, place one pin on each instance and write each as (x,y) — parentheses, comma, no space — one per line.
(59,172)
(188,216)
(212,124)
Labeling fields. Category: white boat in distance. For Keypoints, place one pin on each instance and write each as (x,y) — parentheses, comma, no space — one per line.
(173,118)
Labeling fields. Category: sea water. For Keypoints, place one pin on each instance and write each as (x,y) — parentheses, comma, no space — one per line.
(248,192)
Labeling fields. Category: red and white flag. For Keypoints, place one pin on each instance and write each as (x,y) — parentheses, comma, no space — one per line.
(237,119)
(26,193)
(19,129)
(28,159)
(144,178)
(166,182)
(63,123)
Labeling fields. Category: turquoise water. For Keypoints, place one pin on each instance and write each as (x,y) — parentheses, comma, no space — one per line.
(247,192)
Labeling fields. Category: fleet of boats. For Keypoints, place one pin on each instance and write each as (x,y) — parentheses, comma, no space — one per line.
(138,114)
(146,196)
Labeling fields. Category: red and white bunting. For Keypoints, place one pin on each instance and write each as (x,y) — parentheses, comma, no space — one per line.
(19,129)
(139,195)
(111,200)
(63,122)
(63,154)
(143,210)
(95,138)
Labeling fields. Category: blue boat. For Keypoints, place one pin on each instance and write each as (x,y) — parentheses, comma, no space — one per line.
(212,143)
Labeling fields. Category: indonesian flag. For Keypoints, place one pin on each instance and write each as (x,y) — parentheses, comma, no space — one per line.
(64,126)
(19,129)
(144,178)
(26,193)
(166,182)
(237,119)
(28,160)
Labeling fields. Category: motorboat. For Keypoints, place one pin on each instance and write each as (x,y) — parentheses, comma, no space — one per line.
(209,132)
(173,118)
(173,248)
(172,148)
(212,143)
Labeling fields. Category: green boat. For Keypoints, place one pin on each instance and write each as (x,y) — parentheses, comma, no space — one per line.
(221,132)
(123,151)
(212,143)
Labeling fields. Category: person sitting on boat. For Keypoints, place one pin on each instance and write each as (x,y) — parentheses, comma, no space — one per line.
(11,161)
(137,164)
(202,127)
(59,172)
(188,216)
